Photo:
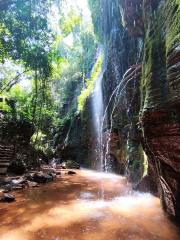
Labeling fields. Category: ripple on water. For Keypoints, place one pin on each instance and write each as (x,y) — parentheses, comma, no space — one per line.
(86,195)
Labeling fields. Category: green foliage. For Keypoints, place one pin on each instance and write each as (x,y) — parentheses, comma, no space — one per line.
(122,16)
(89,84)
(4,107)
(95,9)
(75,62)
(24,31)
(135,165)
(69,116)
(70,23)
(31,50)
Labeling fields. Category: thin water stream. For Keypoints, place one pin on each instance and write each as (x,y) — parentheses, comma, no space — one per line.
(88,205)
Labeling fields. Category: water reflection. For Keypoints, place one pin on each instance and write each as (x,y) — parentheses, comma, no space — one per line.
(81,207)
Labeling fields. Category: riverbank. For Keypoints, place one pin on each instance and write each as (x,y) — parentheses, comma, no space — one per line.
(86,205)
(30,179)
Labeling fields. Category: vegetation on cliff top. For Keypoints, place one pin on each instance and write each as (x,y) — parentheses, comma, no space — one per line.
(89,84)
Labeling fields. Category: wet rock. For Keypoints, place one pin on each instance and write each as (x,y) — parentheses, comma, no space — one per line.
(39,178)
(71,172)
(47,177)
(70,164)
(42,178)
(32,184)
(60,166)
(8,187)
(7,180)
(16,187)
(46,168)
(29,176)
(147,185)
(2,191)
(18,181)
(1,194)
(134,176)
(7,198)
(52,174)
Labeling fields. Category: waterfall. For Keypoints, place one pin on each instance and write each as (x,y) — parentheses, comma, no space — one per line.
(100,112)
(97,98)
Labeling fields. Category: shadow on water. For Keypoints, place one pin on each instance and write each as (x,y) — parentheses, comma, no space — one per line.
(88,205)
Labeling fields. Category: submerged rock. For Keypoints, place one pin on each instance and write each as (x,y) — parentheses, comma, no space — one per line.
(71,172)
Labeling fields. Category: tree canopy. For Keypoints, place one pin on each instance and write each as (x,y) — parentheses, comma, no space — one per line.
(53,60)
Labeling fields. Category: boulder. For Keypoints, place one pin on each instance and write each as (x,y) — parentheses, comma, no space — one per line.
(39,178)
(32,184)
(18,181)
(28,176)
(7,198)
(42,178)
(147,185)
(48,177)
(7,187)
(52,174)
(70,164)
(7,180)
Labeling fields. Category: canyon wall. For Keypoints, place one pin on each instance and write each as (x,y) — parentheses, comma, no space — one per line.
(120,144)
(160,99)
(146,113)
(158,23)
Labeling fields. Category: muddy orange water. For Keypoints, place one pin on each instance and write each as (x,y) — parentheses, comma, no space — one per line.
(88,205)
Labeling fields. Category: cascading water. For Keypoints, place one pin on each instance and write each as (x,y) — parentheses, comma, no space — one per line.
(116,95)
(97,99)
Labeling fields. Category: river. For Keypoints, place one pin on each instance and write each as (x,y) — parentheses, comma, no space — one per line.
(84,206)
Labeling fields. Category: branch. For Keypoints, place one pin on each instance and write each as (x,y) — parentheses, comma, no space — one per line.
(138,66)
(11,82)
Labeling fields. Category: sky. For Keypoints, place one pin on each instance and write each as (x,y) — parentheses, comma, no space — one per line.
(84,5)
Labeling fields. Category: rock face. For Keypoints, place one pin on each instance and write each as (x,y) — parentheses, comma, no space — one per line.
(119,149)
(160,101)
